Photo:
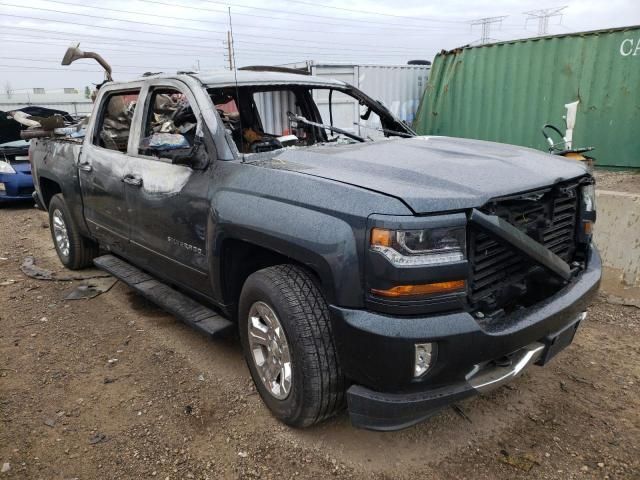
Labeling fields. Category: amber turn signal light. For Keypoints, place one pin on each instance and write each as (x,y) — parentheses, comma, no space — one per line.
(381,237)
(424,289)
(587,227)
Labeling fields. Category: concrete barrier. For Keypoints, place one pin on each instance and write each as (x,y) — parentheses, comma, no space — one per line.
(617,235)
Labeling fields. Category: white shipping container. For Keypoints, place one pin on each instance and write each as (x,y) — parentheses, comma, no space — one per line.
(398,87)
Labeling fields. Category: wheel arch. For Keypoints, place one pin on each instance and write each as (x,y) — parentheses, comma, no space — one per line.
(239,258)
(48,188)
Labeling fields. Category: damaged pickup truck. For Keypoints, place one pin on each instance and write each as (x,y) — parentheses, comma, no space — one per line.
(391,273)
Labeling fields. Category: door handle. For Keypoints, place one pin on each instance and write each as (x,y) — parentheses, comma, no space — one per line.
(132,180)
(85,167)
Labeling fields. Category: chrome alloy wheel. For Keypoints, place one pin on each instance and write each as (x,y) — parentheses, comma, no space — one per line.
(270,350)
(60,233)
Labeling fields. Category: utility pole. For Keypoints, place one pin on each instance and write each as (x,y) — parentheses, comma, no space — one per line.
(486,26)
(230,52)
(543,15)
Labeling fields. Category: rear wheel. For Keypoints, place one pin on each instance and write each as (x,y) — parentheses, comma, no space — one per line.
(288,345)
(74,250)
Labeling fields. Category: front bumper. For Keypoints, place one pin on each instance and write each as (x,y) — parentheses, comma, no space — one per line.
(17,186)
(377,352)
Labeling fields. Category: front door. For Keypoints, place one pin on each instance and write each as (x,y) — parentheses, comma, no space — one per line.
(101,166)
(167,197)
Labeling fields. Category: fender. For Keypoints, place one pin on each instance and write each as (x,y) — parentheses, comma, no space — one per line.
(324,243)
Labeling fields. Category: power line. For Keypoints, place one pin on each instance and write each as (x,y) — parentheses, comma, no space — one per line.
(225,4)
(314,4)
(261,37)
(209,21)
(543,15)
(292,49)
(241,50)
(101,26)
(125,48)
(53,69)
(486,26)
(27,59)
(105,39)
(273,18)
(102,17)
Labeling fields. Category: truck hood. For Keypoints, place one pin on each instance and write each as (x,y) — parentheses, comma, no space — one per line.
(432,174)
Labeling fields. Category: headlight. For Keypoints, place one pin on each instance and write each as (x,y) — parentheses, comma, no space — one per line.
(6,168)
(420,247)
(588,211)
(589,198)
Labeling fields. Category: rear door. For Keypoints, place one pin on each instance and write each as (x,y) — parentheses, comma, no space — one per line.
(102,165)
(168,201)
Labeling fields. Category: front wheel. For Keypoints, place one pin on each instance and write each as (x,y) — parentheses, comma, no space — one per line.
(74,250)
(288,345)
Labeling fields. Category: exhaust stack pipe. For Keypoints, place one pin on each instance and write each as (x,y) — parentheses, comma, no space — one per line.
(74,53)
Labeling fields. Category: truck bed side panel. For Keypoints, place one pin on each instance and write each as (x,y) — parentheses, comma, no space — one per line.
(54,160)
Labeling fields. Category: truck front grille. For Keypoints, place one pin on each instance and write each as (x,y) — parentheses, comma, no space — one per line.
(498,272)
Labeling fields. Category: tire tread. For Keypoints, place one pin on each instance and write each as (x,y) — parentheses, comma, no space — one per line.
(308,305)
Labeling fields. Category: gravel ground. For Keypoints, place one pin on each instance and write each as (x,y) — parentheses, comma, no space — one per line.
(113,388)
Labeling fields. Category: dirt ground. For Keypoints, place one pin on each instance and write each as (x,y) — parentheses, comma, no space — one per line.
(113,388)
(618,180)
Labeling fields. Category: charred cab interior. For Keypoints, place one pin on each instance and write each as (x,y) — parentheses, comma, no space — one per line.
(266,118)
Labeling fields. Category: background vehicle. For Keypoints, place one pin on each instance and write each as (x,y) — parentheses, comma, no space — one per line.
(15,172)
(400,273)
(16,183)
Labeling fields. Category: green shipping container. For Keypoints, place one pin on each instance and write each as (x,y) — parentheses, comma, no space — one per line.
(506,92)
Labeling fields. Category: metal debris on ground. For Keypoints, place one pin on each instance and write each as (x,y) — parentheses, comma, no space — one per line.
(459,411)
(91,288)
(30,269)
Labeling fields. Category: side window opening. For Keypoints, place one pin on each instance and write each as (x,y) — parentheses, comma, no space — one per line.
(170,125)
(341,110)
(258,120)
(114,125)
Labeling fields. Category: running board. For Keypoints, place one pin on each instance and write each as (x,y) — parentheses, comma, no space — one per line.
(177,303)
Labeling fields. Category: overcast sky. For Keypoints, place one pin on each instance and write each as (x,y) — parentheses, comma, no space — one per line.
(168,35)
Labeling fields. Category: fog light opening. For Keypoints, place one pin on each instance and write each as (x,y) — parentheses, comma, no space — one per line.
(423,357)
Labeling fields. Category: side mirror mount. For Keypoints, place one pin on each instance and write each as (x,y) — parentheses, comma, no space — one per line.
(74,53)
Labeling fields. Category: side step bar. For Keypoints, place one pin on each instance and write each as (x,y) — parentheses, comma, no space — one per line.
(178,304)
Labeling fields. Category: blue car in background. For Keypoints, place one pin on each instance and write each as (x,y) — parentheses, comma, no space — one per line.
(16,182)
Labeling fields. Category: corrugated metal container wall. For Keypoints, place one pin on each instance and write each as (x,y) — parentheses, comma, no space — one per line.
(273,108)
(505,92)
(398,87)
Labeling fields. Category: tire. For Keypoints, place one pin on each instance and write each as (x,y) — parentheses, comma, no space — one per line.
(317,388)
(78,252)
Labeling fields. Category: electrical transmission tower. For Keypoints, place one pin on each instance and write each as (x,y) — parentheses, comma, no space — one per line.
(543,15)
(485,24)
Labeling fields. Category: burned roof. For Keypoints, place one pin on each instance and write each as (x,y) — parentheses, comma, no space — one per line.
(244,77)
(224,78)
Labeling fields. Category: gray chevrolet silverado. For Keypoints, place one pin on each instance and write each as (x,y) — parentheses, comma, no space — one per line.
(361,264)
